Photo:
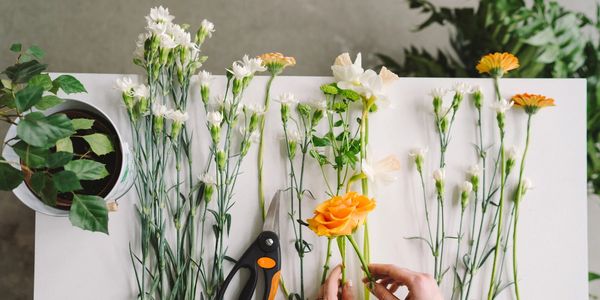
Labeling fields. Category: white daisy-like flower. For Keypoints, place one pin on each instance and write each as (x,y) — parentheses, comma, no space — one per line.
(439,175)
(159,15)
(125,85)
(345,72)
(319,104)
(208,179)
(418,152)
(167,41)
(382,171)
(438,92)
(204,77)
(208,27)
(294,136)
(177,116)
(214,118)
(255,108)
(526,184)
(462,88)
(180,36)
(240,71)
(157,28)
(253,64)
(473,170)
(512,153)
(159,110)
(141,91)
(287,99)
(502,106)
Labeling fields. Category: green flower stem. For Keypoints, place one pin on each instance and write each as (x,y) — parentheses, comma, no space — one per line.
(261,192)
(363,261)
(518,199)
(459,239)
(326,264)
(426,210)
(341,242)
(364,139)
(492,290)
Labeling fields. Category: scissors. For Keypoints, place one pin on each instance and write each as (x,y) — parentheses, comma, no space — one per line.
(264,254)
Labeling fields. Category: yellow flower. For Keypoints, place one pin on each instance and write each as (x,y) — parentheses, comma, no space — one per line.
(276,62)
(531,103)
(341,215)
(497,64)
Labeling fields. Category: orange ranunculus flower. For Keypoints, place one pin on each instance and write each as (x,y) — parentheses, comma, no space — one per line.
(276,62)
(497,64)
(531,103)
(341,215)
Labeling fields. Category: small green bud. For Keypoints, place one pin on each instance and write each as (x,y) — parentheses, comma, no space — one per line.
(285,112)
(221,159)
(303,109)
(330,89)
(437,105)
(158,124)
(205,93)
(444,124)
(477,98)
(208,192)
(175,130)
(317,116)
(253,122)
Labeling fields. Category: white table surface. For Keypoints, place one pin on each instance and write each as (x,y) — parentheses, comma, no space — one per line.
(74,264)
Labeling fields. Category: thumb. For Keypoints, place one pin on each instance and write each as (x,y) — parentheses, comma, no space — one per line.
(382,293)
(347,292)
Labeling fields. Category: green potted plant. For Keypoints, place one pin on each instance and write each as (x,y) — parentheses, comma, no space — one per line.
(60,157)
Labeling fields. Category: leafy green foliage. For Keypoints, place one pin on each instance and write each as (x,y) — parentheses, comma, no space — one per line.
(43,186)
(593,276)
(66,181)
(64,145)
(87,169)
(28,97)
(43,131)
(89,212)
(68,84)
(82,123)
(100,143)
(11,177)
(48,101)
(23,72)
(59,159)
(32,157)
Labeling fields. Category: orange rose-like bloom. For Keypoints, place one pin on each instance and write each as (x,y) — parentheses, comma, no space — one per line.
(531,103)
(276,62)
(497,64)
(341,215)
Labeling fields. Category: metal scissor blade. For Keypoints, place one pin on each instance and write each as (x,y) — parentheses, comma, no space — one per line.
(272,219)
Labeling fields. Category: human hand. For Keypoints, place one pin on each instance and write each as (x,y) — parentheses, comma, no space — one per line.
(330,290)
(388,278)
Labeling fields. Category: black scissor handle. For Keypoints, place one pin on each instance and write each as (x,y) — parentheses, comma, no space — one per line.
(263,254)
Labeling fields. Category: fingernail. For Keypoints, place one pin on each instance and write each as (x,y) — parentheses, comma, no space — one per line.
(349,283)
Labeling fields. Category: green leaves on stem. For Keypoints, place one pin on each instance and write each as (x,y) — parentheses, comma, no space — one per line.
(89,212)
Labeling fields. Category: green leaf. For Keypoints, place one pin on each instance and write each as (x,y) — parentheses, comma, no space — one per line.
(593,276)
(42,185)
(11,177)
(89,213)
(68,84)
(58,159)
(16,47)
(66,181)
(48,101)
(41,80)
(28,97)
(22,72)
(33,157)
(82,123)
(320,142)
(87,169)
(64,145)
(44,131)
(100,143)
(36,52)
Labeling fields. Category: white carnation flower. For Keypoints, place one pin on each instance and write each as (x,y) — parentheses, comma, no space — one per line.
(141,91)
(418,152)
(462,88)
(500,107)
(159,110)
(253,64)
(125,85)
(240,71)
(177,116)
(205,78)
(439,175)
(288,99)
(214,118)
(438,93)
(466,187)
(159,15)
(208,179)
(208,27)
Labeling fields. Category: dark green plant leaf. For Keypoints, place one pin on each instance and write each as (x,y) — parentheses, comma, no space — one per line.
(48,101)
(22,72)
(66,181)
(320,142)
(68,84)
(82,123)
(42,185)
(28,97)
(16,47)
(65,145)
(87,169)
(44,131)
(593,276)
(41,80)
(100,143)
(58,159)
(11,177)
(89,213)
(32,157)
